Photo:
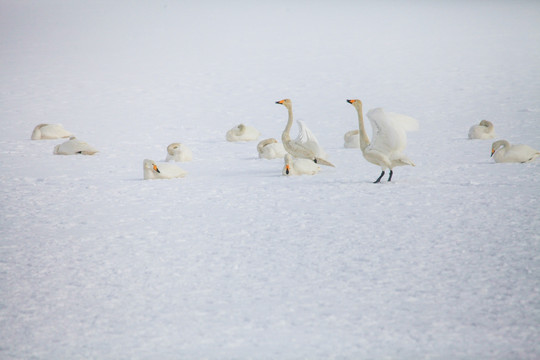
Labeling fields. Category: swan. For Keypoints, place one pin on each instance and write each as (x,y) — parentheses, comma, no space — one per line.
(303,146)
(243,133)
(178,152)
(74,146)
(299,166)
(502,151)
(50,131)
(389,138)
(270,149)
(484,130)
(151,170)
(352,139)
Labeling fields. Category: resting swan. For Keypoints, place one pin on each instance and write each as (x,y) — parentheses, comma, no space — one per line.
(50,131)
(484,130)
(178,152)
(162,171)
(243,133)
(389,138)
(301,147)
(352,139)
(299,166)
(73,147)
(502,151)
(270,149)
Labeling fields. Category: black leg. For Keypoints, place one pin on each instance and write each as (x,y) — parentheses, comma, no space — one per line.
(390,177)
(380,177)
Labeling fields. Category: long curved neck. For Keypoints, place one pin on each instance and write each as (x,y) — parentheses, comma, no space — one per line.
(285,136)
(364,140)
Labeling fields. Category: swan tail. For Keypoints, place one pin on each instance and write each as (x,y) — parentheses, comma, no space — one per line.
(323,162)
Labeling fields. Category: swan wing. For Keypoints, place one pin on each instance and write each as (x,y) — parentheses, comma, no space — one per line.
(307,139)
(389,130)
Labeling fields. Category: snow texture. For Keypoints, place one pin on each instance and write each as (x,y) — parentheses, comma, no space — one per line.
(236,261)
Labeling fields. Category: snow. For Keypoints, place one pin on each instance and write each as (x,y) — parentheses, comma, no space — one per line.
(236,261)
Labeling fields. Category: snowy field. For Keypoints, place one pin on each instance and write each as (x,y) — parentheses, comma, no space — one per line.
(236,261)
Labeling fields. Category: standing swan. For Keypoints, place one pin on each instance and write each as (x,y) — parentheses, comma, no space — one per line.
(299,166)
(178,152)
(502,151)
(297,148)
(49,131)
(389,138)
(164,171)
(484,130)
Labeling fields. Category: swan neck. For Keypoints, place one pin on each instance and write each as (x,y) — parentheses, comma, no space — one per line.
(364,140)
(286,133)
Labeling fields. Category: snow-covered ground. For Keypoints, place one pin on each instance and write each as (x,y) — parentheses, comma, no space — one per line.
(236,261)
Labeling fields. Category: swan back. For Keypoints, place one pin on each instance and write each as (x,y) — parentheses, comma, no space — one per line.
(484,130)
(49,131)
(299,166)
(151,170)
(73,147)
(242,132)
(270,149)
(502,151)
(352,139)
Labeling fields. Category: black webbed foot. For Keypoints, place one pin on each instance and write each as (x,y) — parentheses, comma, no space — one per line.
(379,178)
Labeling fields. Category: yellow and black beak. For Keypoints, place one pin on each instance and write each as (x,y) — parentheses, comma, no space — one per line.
(351,101)
(287,168)
(492,152)
(280,102)
(156,169)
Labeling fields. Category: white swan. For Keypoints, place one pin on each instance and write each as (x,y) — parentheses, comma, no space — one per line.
(484,130)
(299,166)
(151,170)
(270,149)
(389,138)
(502,151)
(73,147)
(50,131)
(178,152)
(242,133)
(299,149)
(352,139)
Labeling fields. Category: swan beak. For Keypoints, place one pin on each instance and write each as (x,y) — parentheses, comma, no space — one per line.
(156,169)
(492,152)
(280,102)
(351,101)
(287,169)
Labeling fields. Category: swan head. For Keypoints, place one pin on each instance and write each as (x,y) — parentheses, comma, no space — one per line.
(285,102)
(356,103)
(150,165)
(288,162)
(498,144)
(486,123)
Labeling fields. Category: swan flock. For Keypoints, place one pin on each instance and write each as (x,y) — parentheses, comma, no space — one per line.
(304,154)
